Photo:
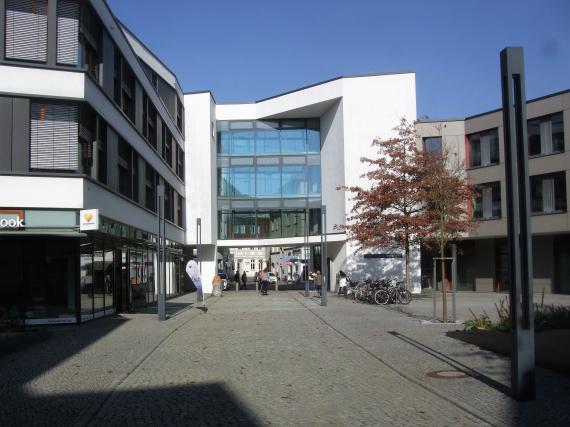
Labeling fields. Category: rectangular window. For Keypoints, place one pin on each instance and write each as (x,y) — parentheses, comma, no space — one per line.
(102,152)
(268,181)
(168,202)
(548,193)
(54,132)
(433,145)
(124,86)
(26,30)
(546,135)
(125,169)
(243,181)
(484,148)
(180,162)
(166,144)
(293,180)
(135,176)
(150,188)
(180,211)
(91,34)
(67,32)
(487,203)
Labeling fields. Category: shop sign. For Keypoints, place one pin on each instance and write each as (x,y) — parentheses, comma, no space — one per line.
(89,219)
(11,219)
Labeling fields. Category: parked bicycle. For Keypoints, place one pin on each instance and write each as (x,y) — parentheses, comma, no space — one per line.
(396,292)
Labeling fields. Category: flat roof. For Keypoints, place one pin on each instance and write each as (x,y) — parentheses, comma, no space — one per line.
(302,88)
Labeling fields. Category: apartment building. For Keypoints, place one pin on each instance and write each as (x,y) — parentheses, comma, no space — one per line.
(478,143)
(89,120)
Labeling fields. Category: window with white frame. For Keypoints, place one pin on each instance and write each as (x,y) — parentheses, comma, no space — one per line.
(546,135)
(484,148)
(548,193)
(487,202)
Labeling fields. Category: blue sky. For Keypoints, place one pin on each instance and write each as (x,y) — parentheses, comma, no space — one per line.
(244,50)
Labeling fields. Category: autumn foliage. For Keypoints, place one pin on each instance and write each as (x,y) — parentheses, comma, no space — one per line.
(413,198)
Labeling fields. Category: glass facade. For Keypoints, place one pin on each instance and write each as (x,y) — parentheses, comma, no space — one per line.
(269,178)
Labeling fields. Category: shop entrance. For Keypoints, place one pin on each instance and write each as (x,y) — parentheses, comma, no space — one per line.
(121,285)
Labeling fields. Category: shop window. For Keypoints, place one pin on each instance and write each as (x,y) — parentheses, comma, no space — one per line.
(546,135)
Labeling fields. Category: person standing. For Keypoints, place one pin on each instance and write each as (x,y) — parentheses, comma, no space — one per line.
(236,278)
(318,284)
(264,277)
(244,280)
(342,282)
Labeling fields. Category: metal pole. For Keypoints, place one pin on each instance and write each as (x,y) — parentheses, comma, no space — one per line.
(164,253)
(324,265)
(159,207)
(305,248)
(453,280)
(518,223)
(199,298)
(434,287)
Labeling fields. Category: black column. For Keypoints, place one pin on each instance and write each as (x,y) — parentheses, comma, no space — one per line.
(518,223)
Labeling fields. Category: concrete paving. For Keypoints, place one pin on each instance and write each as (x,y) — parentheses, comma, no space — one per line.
(255,360)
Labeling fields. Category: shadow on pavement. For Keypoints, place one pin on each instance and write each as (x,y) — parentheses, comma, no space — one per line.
(453,363)
(209,404)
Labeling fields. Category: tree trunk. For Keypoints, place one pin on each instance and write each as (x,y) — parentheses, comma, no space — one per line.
(443,290)
(408,286)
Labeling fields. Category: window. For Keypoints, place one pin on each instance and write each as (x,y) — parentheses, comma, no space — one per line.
(26,30)
(135,176)
(124,86)
(91,34)
(87,134)
(487,203)
(433,145)
(102,152)
(268,181)
(548,193)
(149,121)
(180,211)
(166,144)
(168,202)
(546,135)
(180,162)
(54,132)
(179,114)
(484,148)
(293,180)
(67,32)
(150,188)
(125,169)
(252,264)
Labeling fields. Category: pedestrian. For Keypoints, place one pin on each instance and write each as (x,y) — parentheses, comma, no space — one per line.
(244,280)
(342,282)
(256,279)
(264,277)
(217,286)
(236,279)
(318,279)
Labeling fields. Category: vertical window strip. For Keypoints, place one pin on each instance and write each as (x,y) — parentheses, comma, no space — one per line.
(548,195)
(485,150)
(487,194)
(546,137)
(67,32)
(26,30)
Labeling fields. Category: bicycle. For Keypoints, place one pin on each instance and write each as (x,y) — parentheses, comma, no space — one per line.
(395,293)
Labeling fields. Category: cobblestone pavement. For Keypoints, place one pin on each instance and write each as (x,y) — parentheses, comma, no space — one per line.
(478,302)
(256,361)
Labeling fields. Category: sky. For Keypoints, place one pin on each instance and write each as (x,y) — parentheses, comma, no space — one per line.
(245,50)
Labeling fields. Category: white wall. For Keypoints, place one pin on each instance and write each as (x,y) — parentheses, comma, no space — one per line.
(200,173)
(32,82)
(41,192)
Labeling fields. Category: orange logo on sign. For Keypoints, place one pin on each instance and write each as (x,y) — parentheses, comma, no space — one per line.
(88,216)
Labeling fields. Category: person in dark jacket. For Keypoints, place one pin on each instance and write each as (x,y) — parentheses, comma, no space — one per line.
(244,281)
(236,278)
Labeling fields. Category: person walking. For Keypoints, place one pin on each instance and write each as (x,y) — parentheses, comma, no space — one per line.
(264,277)
(244,281)
(318,279)
(342,282)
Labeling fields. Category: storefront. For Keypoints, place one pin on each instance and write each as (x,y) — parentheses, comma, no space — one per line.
(52,273)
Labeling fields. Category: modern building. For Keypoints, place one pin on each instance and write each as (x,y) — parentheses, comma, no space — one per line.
(89,119)
(260,172)
(478,143)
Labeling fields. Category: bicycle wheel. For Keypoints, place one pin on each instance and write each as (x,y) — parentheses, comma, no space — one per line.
(381,297)
(360,295)
(404,296)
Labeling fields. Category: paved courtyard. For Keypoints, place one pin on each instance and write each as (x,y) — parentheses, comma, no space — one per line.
(256,361)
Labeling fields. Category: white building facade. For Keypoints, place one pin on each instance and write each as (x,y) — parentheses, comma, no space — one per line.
(258,173)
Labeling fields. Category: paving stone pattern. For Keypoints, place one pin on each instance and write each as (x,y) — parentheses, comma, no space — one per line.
(256,360)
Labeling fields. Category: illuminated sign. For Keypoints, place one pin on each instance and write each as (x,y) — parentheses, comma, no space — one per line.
(11,219)
(89,219)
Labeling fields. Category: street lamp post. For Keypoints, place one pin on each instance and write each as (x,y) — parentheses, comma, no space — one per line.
(159,252)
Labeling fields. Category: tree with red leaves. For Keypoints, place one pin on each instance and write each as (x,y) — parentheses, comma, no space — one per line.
(391,212)
(448,196)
